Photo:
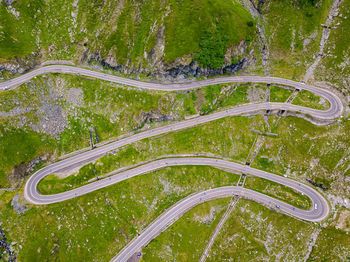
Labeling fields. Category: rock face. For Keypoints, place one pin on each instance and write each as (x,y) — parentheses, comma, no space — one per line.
(21,170)
(152,116)
(172,71)
(7,253)
(18,65)
(182,68)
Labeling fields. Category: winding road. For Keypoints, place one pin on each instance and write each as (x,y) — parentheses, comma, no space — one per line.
(335,110)
(318,211)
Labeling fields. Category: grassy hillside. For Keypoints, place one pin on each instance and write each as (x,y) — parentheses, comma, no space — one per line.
(335,66)
(125,30)
(293,31)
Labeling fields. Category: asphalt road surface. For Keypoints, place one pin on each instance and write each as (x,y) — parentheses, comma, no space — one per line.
(335,103)
(317,212)
(174,213)
(32,194)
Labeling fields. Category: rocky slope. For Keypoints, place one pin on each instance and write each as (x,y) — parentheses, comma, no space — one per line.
(160,38)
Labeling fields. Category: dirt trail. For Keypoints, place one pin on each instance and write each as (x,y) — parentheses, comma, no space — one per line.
(260,26)
(218,228)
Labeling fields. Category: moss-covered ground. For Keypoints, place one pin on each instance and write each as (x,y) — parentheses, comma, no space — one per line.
(254,232)
(278,94)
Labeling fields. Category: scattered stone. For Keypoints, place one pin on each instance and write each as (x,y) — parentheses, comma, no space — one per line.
(55,249)
(6,252)
(9,2)
(74,96)
(256,94)
(152,116)
(17,206)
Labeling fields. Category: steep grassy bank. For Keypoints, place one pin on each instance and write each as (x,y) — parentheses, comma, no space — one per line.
(129,33)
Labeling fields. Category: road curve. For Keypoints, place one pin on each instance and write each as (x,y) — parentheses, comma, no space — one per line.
(319,208)
(334,111)
(32,195)
(172,214)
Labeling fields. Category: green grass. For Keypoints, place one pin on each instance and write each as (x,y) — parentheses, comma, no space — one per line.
(331,245)
(18,146)
(278,94)
(15,36)
(126,30)
(333,67)
(53,184)
(308,99)
(117,212)
(216,98)
(254,232)
(278,191)
(212,49)
(184,28)
(305,150)
(186,239)
(288,24)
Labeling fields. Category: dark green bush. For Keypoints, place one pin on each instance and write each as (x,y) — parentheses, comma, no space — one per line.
(250,23)
(213,47)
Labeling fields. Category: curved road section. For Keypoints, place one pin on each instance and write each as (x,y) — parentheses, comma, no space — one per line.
(335,103)
(319,209)
(314,214)
(172,214)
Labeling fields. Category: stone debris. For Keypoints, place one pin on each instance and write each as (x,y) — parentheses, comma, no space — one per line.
(6,252)
(17,206)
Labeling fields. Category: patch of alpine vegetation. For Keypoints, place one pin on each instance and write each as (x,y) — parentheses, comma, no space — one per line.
(278,191)
(318,154)
(154,37)
(181,242)
(293,32)
(254,231)
(334,68)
